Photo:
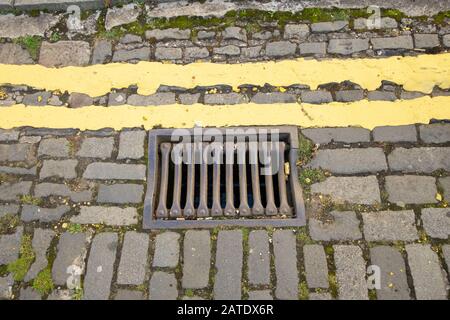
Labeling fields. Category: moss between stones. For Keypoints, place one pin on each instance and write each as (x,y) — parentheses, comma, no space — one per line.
(43,283)
(309,176)
(27,199)
(303,291)
(31,43)
(8,223)
(305,150)
(20,267)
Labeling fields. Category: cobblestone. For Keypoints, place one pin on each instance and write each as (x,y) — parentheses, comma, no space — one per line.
(96,148)
(425,159)
(114,171)
(436,222)
(162,53)
(100,267)
(140,54)
(157,99)
(344,226)
(361,190)
(347,46)
(315,266)
(43,190)
(59,168)
(445,184)
(9,135)
(16,152)
(11,191)
(196,261)
(273,97)
(36,99)
(428,277)
(192,53)
(168,34)
(350,161)
(395,134)
(41,242)
(133,261)
(6,285)
(285,252)
(329,26)
(120,193)
(390,226)
(227,284)
(350,272)
(234,33)
(35,213)
(399,42)
(10,246)
(229,50)
(12,26)
(78,100)
(296,31)
(385,23)
(316,97)
(11,53)
(29,294)
(163,286)
(435,133)
(225,98)
(124,294)
(65,53)
(54,147)
(328,135)
(426,40)
(411,189)
(259,258)
(120,16)
(10,209)
(101,52)
(260,295)
(280,49)
(349,95)
(18,171)
(381,96)
(394,285)
(167,249)
(112,216)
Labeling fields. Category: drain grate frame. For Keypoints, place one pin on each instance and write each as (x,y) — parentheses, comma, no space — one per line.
(287,134)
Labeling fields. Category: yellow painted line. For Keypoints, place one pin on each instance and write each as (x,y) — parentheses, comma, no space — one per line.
(419,73)
(367,114)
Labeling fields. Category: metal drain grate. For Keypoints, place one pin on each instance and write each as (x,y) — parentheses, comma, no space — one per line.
(243,176)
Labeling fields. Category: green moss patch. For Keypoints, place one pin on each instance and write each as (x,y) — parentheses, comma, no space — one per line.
(43,282)
(20,267)
(8,223)
(31,43)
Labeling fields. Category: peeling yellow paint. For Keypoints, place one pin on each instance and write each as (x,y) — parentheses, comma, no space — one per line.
(367,114)
(419,73)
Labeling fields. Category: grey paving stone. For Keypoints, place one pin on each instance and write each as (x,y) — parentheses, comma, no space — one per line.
(100,267)
(381,96)
(43,190)
(125,294)
(168,34)
(225,98)
(65,53)
(9,135)
(12,191)
(114,171)
(411,189)
(120,193)
(394,285)
(260,295)
(49,132)
(445,184)
(350,161)
(347,46)
(60,294)
(399,42)
(96,148)
(259,258)
(35,213)
(59,168)
(349,95)
(429,279)
(12,26)
(112,216)
(163,53)
(446,253)
(117,99)
(390,226)
(362,190)
(72,249)
(163,286)
(37,99)
(202,35)
(285,251)
(10,246)
(436,222)
(234,33)
(167,250)
(427,159)
(196,53)
(296,31)
(102,50)
(385,23)
(426,40)
(11,53)
(120,16)
(263,35)
(9,209)
(345,226)
(251,52)
(409,95)
(29,294)
(227,284)
(189,98)
(131,145)
(133,261)
(446,40)
(130,38)
(41,242)
(315,266)
(157,99)
(274,97)
(320,296)
(196,261)
(435,133)
(229,50)
(16,152)
(347,135)
(54,147)
(350,272)
(19,171)
(405,133)
(329,26)
(139,54)
(280,48)
(6,285)
(78,100)
(316,97)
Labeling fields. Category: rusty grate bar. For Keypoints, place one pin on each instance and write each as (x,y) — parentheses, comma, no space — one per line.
(242,181)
